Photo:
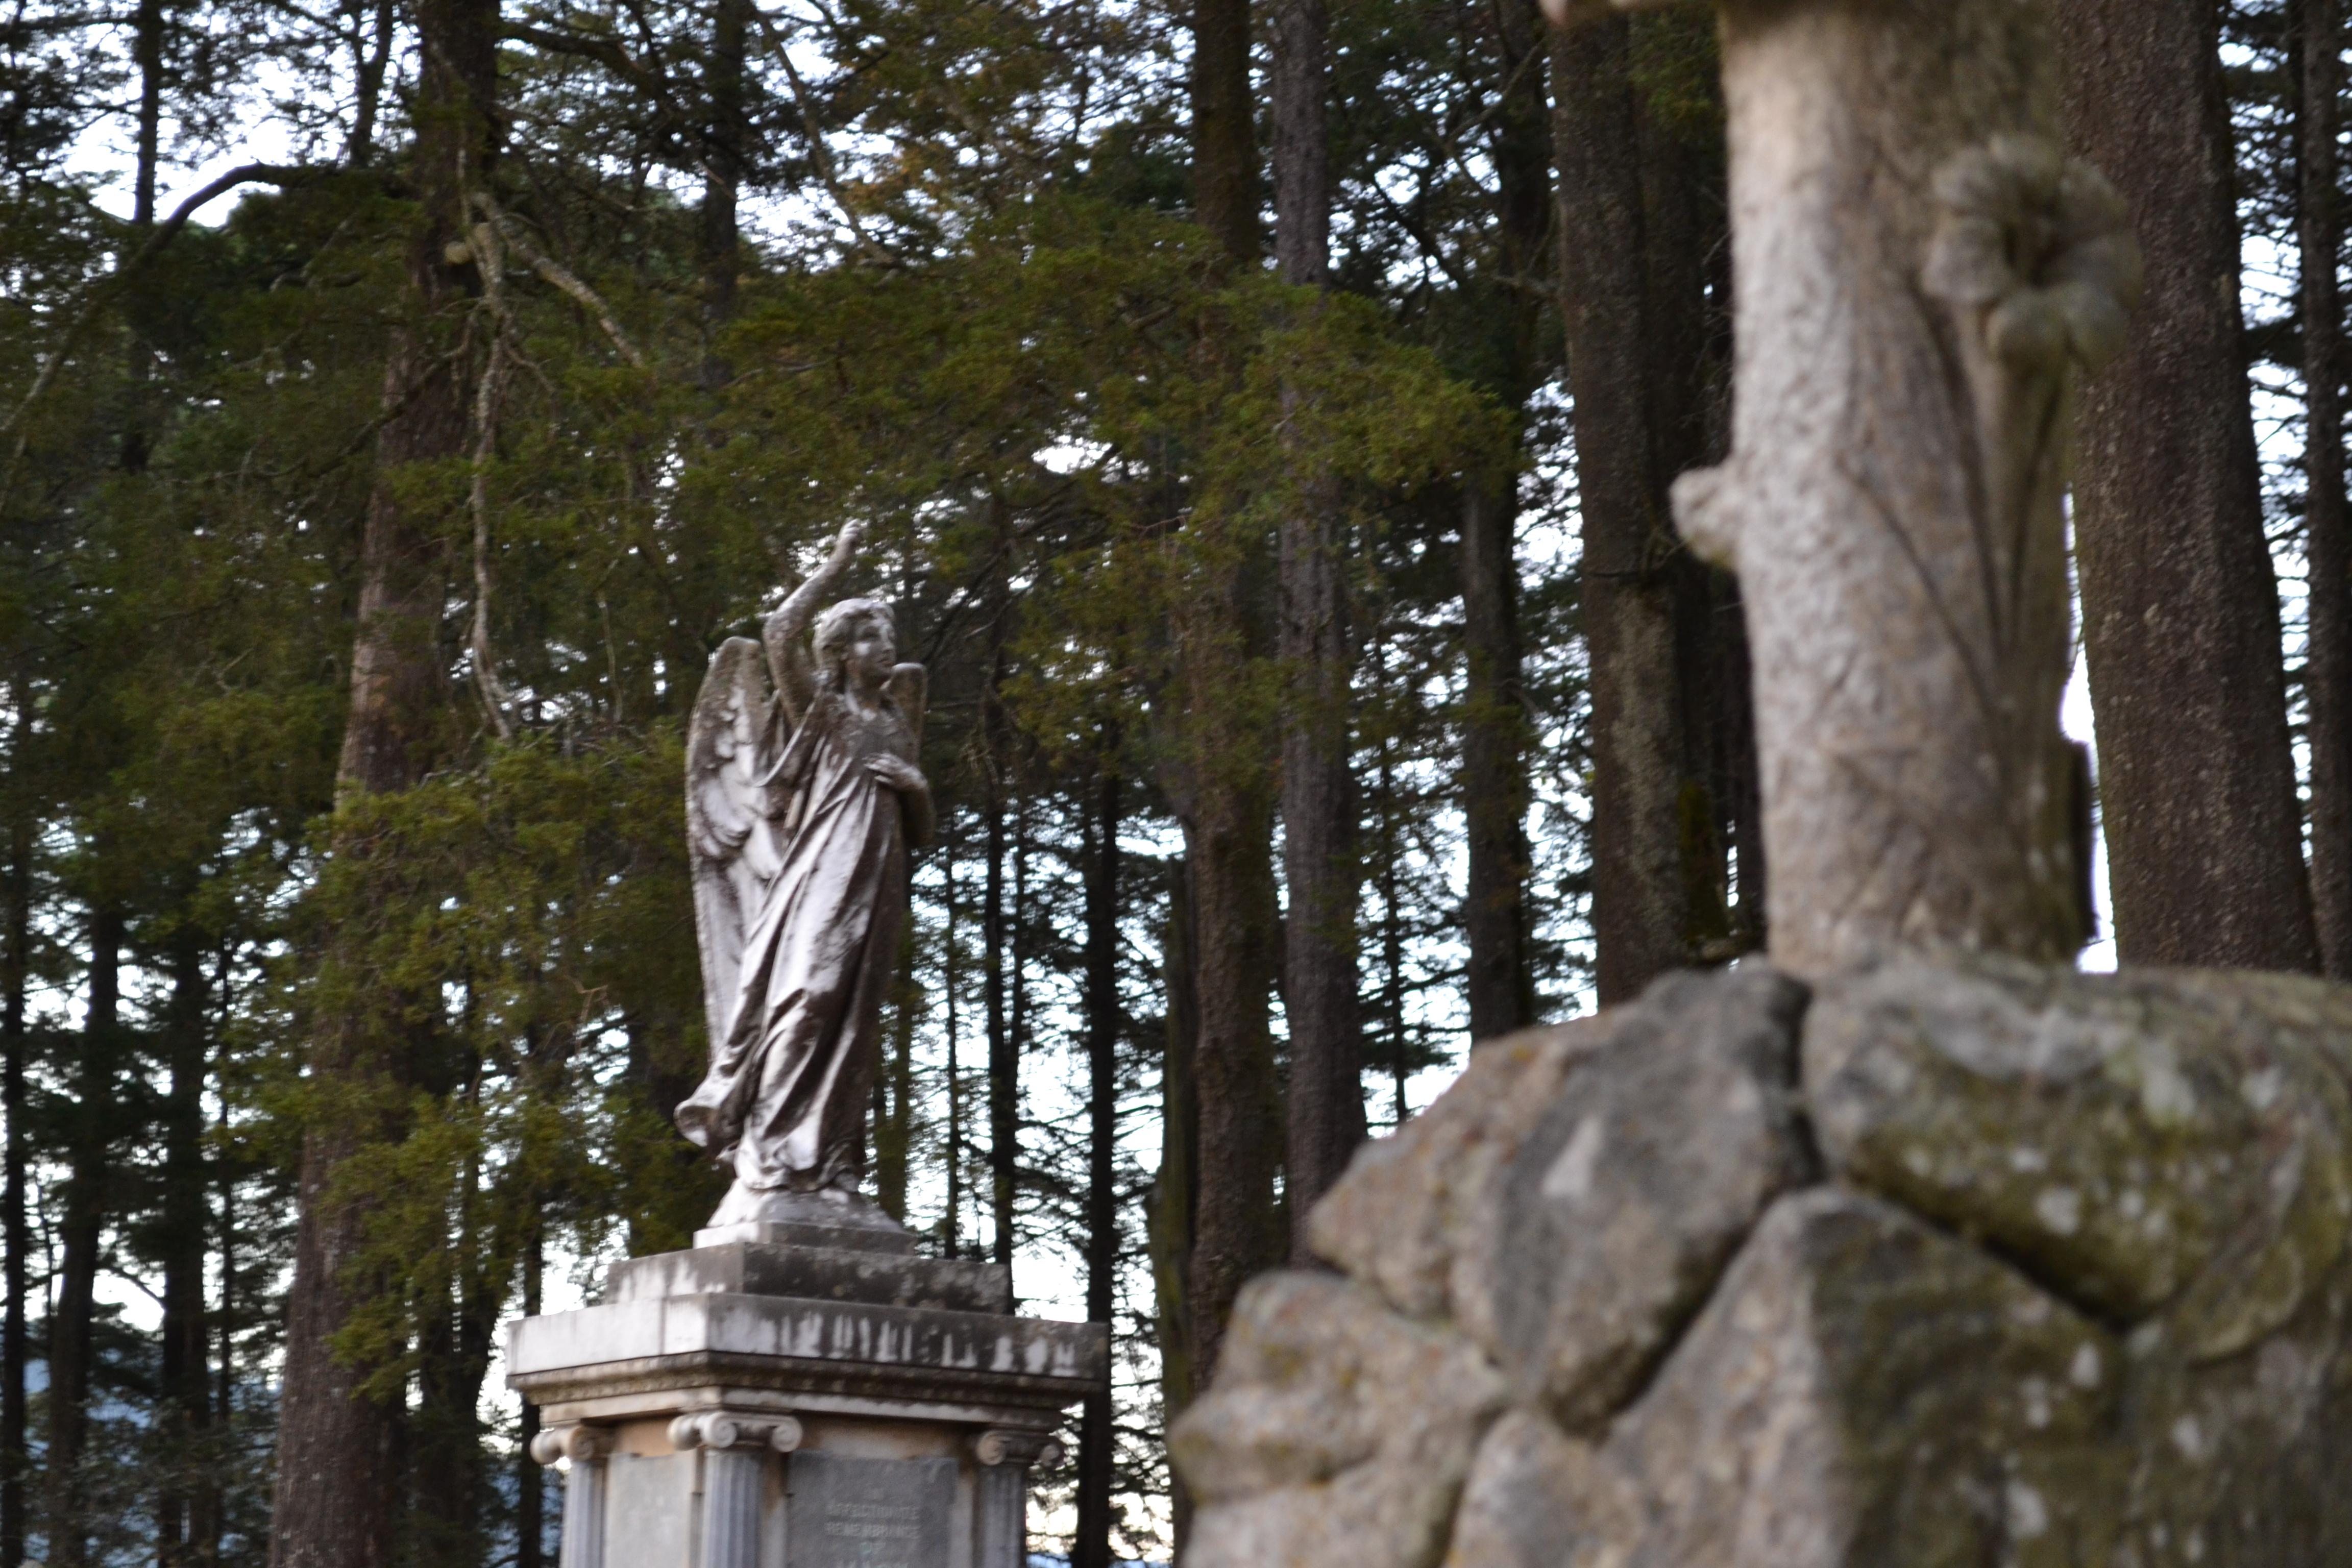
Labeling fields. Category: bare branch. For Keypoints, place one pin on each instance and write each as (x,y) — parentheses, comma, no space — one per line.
(817,148)
(555,272)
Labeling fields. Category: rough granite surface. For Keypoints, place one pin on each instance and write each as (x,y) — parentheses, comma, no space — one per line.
(1352,1442)
(1948,1262)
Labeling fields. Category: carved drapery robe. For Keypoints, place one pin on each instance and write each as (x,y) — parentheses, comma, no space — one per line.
(819,883)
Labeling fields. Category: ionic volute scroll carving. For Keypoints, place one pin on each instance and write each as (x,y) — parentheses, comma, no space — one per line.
(578,1444)
(732,1429)
(1016,1445)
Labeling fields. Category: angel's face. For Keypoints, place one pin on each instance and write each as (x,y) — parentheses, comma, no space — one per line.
(872,652)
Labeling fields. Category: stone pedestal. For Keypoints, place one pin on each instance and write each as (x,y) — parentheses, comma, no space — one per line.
(801,1396)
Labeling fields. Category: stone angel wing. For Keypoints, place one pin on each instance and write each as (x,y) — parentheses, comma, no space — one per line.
(729,744)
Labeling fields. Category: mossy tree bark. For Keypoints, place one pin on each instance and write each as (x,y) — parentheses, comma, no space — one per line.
(1225,801)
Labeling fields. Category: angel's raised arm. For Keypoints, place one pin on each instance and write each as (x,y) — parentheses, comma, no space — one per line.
(786,634)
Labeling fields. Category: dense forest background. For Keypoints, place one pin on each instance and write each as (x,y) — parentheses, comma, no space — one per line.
(1261,420)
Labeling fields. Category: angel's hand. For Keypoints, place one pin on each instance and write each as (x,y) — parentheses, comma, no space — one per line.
(845,549)
(914,793)
(897,773)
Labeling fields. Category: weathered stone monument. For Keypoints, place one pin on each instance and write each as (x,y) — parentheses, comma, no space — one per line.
(1910,1248)
(1927,1262)
(800,1393)
(800,1389)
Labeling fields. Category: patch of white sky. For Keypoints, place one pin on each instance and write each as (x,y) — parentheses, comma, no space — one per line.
(278,114)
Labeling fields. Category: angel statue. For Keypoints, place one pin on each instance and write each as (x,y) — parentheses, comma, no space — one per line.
(800,807)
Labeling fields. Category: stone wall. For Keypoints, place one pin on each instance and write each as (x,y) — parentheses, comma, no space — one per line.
(1964,1263)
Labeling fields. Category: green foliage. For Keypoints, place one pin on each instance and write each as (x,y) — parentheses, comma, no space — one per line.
(973,317)
(1676,71)
(506,929)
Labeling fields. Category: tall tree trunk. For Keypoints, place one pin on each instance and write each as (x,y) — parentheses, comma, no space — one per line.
(444,1434)
(225,1391)
(893,1128)
(1495,741)
(1499,984)
(531,1482)
(663,1064)
(1302,153)
(951,1214)
(210,1525)
(1743,781)
(71,1345)
(2327,666)
(15,1453)
(147,57)
(337,1451)
(723,161)
(1016,956)
(185,1406)
(1004,1051)
(1228,820)
(2179,604)
(371,57)
(1225,141)
(1222,790)
(1392,940)
(1324,1103)
(1662,628)
(1175,1188)
(1090,1548)
(1640,731)
(148,26)
(1681,223)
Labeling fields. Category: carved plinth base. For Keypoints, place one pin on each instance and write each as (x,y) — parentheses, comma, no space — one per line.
(800,1396)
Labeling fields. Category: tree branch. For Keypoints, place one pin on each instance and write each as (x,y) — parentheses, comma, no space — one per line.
(278,175)
(555,272)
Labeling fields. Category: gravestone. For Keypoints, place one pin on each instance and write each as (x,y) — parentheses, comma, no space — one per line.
(802,1394)
(800,1389)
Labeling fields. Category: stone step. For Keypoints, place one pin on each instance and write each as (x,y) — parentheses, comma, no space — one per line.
(797,1233)
(814,1272)
(628,1353)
